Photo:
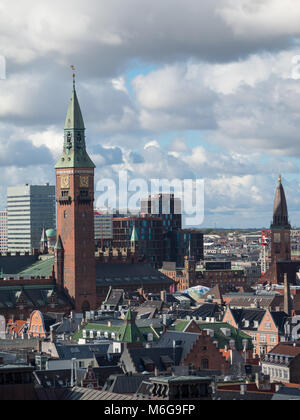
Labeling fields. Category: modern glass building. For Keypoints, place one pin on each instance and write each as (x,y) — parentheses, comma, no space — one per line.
(30,208)
(103,226)
(149,237)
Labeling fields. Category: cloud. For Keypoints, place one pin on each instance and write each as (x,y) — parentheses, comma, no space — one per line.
(152,144)
(219,99)
(104,156)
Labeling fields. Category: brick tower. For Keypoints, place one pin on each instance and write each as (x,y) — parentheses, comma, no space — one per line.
(75,256)
(280,228)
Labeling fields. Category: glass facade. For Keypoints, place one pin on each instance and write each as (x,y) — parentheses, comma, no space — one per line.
(30,208)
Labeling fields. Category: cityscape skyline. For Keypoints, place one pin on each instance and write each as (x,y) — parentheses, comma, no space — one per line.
(149,249)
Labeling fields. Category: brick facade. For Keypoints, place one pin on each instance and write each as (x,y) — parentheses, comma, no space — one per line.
(204,355)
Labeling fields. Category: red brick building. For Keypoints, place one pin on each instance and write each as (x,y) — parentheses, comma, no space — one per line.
(74,277)
(281,261)
(75,214)
(227,279)
(204,355)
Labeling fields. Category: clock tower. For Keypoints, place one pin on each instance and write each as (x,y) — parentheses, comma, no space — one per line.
(75,268)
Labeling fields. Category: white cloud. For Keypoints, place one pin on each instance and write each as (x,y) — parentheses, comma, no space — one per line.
(152,144)
(262,18)
(223,71)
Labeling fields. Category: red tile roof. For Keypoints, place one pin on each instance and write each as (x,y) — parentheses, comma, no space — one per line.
(250,388)
(286,349)
(17,327)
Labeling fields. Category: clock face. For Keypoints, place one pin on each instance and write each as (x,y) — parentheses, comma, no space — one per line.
(277,238)
(65,182)
(84,182)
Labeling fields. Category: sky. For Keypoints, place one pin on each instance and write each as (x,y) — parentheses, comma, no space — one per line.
(168,89)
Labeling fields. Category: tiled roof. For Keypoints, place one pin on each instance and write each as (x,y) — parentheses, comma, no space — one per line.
(17,326)
(12,265)
(114,297)
(139,356)
(286,349)
(36,296)
(248,314)
(68,352)
(41,268)
(206,310)
(79,394)
(184,340)
(124,384)
(121,274)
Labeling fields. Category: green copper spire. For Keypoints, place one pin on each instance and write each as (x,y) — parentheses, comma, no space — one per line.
(134,235)
(74,120)
(74,153)
(129,332)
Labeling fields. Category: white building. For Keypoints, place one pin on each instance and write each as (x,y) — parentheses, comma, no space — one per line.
(30,208)
(3,231)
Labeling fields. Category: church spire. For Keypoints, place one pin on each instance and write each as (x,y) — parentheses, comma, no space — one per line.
(280,211)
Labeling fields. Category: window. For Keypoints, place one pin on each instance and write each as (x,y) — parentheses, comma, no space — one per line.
(268,325)
(84,194)
(204,363)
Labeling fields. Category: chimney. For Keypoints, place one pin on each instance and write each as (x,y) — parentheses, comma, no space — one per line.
(287,297)
(163,296)
(39,346)
(52,335)
(243,389)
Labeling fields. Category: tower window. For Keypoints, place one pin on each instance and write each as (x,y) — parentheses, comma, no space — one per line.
(84,194)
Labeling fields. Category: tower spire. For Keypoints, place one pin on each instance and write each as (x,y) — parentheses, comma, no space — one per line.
(74,152)
(280,211)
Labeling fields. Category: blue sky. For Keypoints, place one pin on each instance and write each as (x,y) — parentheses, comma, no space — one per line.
(204,89)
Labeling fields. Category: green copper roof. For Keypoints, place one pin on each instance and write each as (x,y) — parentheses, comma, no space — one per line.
(74,151)
(134,235)
(74,120)
(129,316)
(40,268)
(50,233)
(129,332)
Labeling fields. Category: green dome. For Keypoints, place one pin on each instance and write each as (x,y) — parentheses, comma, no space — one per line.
(51,233)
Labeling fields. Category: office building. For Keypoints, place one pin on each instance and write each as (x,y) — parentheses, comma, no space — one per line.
(165,206)
(103,223)
(30,208)
(3,231)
